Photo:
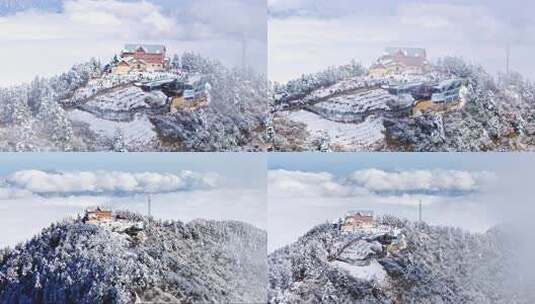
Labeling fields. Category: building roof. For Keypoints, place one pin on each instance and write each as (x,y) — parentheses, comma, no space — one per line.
(148,48)
(97,210)
(449,83)
(367,213)
(411,52)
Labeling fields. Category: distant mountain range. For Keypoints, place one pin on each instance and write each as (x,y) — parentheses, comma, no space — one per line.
(8,7)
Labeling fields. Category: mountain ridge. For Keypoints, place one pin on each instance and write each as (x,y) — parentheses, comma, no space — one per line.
(428,264)
(202,261)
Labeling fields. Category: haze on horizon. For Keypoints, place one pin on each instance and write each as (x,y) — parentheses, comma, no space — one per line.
(37,189)
(307,36)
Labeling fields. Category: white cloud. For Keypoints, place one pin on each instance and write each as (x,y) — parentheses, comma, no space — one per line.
(10,193)
(300,200)
(242,204)
(105,19)
(41,43)
(285,5)
(226,18)
(314,36)
(419,180)
(370,182)
(298,183)
(98,182)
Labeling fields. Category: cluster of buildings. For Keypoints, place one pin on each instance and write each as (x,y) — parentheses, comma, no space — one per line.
(97,215)
(138,58)
(437,95)
(396,60)
(106,219)
(146,58)
(363,220)
(358,220)
(189,94)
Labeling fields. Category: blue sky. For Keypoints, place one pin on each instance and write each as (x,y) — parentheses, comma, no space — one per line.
(308,35)
(342,163)
(47,187)
(236,167)
(473,191)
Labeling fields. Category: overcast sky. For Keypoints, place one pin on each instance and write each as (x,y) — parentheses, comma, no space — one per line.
(472,191)
(309,35)
(47,42)
(37,189)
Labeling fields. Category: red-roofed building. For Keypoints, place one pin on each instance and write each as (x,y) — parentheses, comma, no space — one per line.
(97,215)
(355,220)
(152,55)
(400,60)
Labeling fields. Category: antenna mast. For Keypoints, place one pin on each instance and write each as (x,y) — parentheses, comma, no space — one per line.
(420,211)
(244,52)
(507,57)
(149,205)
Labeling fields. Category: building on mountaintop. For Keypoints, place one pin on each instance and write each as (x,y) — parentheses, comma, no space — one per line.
(130,65)
(143,57)
(360,219)
(396,60)
(97,215)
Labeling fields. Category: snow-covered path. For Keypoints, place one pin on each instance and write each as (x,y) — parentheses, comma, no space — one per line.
(371,272)
(348,135)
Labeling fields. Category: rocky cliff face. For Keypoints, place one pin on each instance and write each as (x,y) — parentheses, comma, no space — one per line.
(399,262)
(169,262)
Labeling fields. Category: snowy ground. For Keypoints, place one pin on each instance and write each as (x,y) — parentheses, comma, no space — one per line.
(371,272)
(127,99)
(355,83)
(137,132)
(370,100)
(349,136)
(375,231)
(119,225)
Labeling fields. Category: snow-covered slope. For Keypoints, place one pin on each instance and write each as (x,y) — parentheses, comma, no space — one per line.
(45,115)
(341,136)
(124,103)
(405,263)
(135,135)
(357,106)
(493,113)
(170,262)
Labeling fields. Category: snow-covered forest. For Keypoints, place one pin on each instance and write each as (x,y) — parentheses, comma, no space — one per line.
(40,116)
(168,261)
(434,265)
(235,119)
(299,88)
(497,113)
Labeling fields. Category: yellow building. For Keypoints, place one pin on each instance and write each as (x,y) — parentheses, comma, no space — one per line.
(130,65)
(377,70)
(177,103)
